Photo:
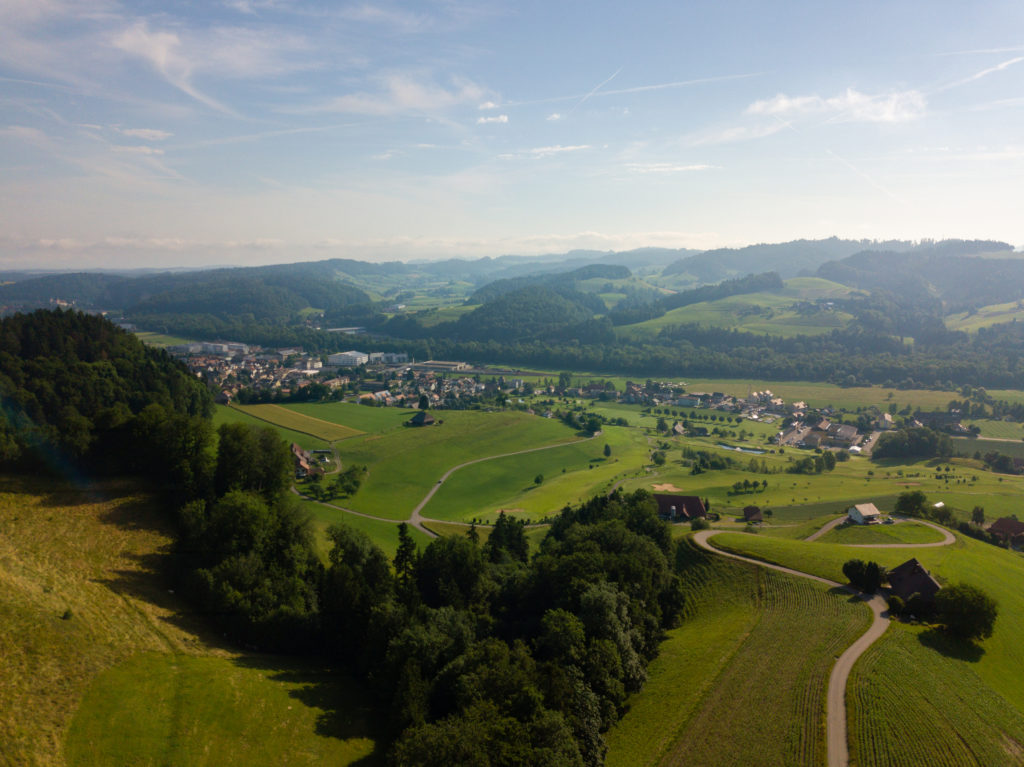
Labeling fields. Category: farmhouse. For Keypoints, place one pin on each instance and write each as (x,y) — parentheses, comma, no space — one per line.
(1007,528)
(679,507)
(752,514)
(301,458)
(422,418)
(911,578)
(863,514)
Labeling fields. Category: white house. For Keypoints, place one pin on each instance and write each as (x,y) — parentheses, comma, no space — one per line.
(349,359)
(864,513)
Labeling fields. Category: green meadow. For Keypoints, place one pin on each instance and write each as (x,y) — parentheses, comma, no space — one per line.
(383,534)
(161,709)
(404,464)
(986,316)
(872,535)
(570,473)
(223,414)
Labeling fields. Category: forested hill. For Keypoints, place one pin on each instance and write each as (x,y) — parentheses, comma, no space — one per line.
(560,281)
(952,271)
(79,393)
(787,258)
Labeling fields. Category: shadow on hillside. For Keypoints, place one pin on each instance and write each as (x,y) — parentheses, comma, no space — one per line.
(951,647)
(342,702)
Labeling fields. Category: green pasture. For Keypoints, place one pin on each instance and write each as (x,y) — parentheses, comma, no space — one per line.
(914,699)
(160,709)
(404,464)
(986,316)
(998,429)
(160,339)
(969,446)
(223,414)
(901,532)
(534,534)
(752,640)
(371,420)
(320,428)
(1000,662)
(570,473)
(383,534)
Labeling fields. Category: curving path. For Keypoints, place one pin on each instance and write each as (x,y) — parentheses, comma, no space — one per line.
(415,518)
(835,707)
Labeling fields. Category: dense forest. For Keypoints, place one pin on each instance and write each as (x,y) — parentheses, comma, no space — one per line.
(474,653)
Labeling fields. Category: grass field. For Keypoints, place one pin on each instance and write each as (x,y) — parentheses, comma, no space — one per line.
(161,709)
(223,414)
(912,702)
(998,429)
(160,339)
(571,473)
(80,596)
(291,420)
(743,680)
(406,463)
(998,571)
(985,317)
(902,532)
(363,418)
(384,534)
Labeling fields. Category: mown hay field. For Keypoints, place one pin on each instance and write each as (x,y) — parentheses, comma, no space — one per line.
(287,418)
(901,532)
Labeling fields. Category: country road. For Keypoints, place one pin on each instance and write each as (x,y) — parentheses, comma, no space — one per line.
(835,708)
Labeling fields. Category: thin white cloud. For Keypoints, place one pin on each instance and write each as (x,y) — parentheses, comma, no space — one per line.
(145,134)
(400,20)
(734,133)
(666,167)
(636,89)
(494,119)
(544,151)
(553,117)
(401,93)
(851,106)
(146,150)
(487,105)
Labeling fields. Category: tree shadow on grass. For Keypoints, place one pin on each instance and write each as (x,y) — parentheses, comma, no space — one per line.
(345,711)
(951,647)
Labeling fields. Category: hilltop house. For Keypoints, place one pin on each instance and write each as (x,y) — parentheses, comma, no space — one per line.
(864,514)
(911,578)
(679,508)
(752,514)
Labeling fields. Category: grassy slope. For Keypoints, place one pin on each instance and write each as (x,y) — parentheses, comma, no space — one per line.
(94,552)
(373,420)
(384,534)
(481,490)
(300,422)
(223,414)
(903,532)
(985,316)
(756,312)
(752,641)
(405,464)
(999,572)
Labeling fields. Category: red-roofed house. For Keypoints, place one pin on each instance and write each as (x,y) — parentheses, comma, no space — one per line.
(679,507)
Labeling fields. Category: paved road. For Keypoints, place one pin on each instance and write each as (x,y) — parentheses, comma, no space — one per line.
(835,710)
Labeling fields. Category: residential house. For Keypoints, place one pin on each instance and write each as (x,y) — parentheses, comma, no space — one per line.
(864,514)
(1008,528)
(911,578)
(422,418)
(679,508)
(752,514)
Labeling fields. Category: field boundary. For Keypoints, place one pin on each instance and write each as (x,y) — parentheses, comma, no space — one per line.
(298,431)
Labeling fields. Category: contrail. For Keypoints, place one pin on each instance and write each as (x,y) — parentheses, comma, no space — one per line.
(595,90)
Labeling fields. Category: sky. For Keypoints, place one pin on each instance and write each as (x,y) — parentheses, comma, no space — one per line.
(234,132)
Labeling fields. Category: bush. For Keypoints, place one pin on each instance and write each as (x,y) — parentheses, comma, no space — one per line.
(896,605)
(699,523)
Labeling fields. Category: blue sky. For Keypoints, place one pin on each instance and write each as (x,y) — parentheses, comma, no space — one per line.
(260,131)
